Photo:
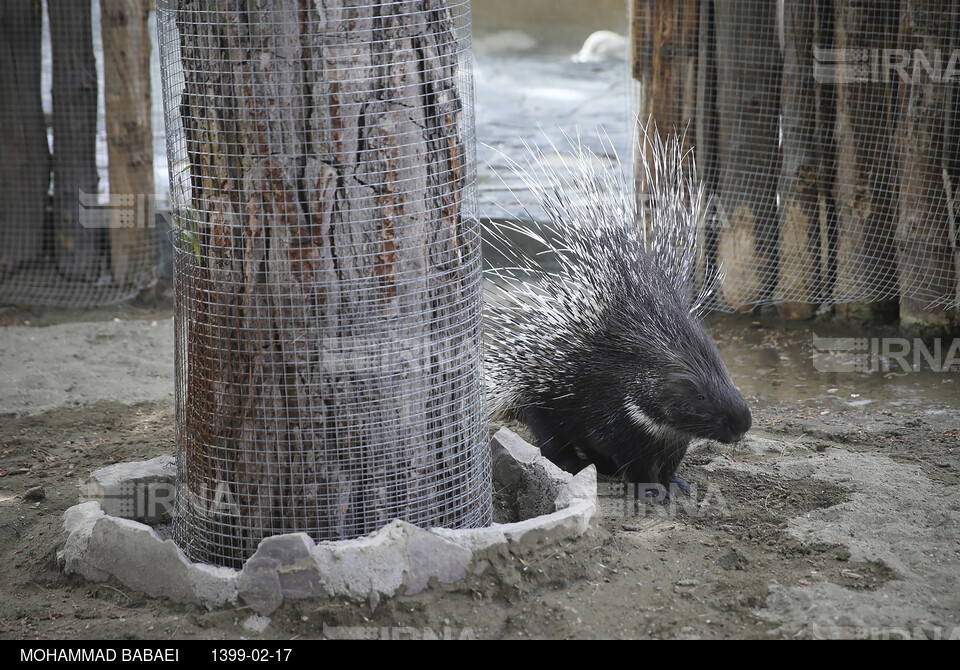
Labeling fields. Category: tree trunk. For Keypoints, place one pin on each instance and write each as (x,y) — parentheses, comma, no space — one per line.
(925,245)
(748,94)
(79,245)
(801,185)
(126,50)
(24,154)
(865,199)
(326,167)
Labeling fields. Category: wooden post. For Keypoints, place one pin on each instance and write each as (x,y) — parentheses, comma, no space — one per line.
(951,168)
(706,141)
(826,90)
(664,53)
(79,244)
(126,48)
(24,156)
(748,94)
(664,62)
(801,184)
(865,197)
(925,243)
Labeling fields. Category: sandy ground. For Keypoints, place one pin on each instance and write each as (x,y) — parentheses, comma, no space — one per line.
(838,517)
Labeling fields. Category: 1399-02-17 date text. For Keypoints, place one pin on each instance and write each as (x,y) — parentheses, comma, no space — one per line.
(242,654)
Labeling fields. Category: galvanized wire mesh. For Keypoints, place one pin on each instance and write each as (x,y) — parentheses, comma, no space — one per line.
(327,270)
(76,157)
(828,137)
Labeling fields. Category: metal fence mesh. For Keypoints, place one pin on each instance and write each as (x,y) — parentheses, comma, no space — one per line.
(327,270)
(828,139)
(76,159)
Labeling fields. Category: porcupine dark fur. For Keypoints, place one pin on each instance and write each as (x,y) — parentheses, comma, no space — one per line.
(593,340)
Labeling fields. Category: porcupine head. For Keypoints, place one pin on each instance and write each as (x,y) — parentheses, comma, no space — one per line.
(603,358)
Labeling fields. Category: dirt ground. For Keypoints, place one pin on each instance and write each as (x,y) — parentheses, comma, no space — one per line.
(839,516)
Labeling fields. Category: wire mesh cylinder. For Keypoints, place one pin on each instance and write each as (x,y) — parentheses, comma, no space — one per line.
(327,270)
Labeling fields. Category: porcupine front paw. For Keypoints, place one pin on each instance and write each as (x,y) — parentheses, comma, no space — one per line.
(674,481)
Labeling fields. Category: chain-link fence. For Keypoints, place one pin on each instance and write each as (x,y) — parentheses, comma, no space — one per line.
(327,273)
(828,139)
(76,152)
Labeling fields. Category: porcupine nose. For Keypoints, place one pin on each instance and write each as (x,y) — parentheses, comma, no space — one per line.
(735,419)
(738,421)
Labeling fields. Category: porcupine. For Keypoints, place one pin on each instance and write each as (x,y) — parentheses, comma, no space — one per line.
(603,357)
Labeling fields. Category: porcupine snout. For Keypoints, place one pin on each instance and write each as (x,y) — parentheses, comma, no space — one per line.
(735,419)
(701,397)
(732,418)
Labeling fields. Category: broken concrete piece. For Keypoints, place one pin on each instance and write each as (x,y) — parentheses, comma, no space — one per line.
(135,554)
(143,491)
(525,475)
(78,523)
(430,556)
(283,568)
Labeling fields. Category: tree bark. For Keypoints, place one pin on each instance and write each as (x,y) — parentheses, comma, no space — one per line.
(126,47)
(925,245)
(866,202)
(79,245)
(24,154)
(748,94)
(326,166)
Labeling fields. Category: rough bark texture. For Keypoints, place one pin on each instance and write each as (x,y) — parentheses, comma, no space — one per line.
(326,170)
(866,200)
(801,186)
(79,249)
(126,47)
(925,243)
(748,95)
(24,155)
